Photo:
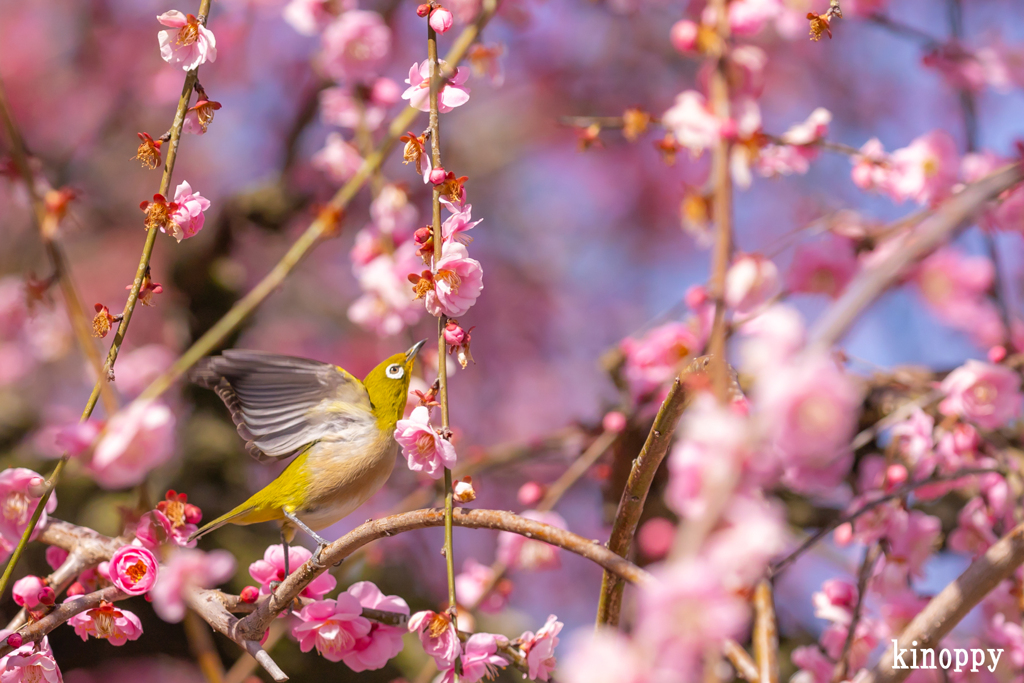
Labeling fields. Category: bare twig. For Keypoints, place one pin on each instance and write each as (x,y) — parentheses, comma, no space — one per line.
(201,644)
(631,505)
(867,566)
(766,634)
(741,661)
(577,469)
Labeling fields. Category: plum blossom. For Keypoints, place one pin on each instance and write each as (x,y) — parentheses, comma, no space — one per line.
(382,642)
(441,19)
(539,648)
(975,529)
(691,122)
(438,636)
(355,45)
(340,160)
(657,356)
(137,440)
(19,497)
(458,281)
(751,280)
(480,659)
(822,267)
(331,626)
(309,17)
(871,166)
(604,656)
(424,448)
(924,171)
(471,583)
(1008,213)
(199,116)
(28,590)
(772,337)
(814,666)
(191,45)
(55,556)
(188,216)
(529,554)
(188,568)
(106,622)
(459,222)
(955,286)
(385,305)
(914,440)
(453,94)
(271,568)
(29,664)
(342,106)
(985,394)
(835,601)
(133,569)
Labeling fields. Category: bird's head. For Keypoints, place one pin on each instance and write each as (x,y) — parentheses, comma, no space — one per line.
(388,386)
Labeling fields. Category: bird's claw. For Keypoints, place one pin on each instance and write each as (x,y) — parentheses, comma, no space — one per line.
(317,555)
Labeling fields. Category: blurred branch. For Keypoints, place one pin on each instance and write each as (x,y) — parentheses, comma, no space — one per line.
(577,469)
(866,568)
(942,225)
(641,476)
(200,643)
(254,625)
(766,634)
(106,372)
(325,225)
(741,661)
(867,507)
(952,604)
(905,30)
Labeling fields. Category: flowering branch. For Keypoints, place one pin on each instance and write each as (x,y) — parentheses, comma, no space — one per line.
(866,568)
(38,629)
(942,225)
(952,604)
(641,476)
(254,625)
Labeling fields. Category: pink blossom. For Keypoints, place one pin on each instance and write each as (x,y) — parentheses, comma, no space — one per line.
(528,554)
(437,634)
(655,537)
(926,170)
(471,583)
(424,448)
(382,642)
(1008,634)
(154,529)
(188,568)
(530,493)
(453,94)
(18,500)
(339,105)
(271,568)
(751,281)
(539,648)
(776,160)
(914,440)
(355,45)
(814,666)
(140,366)
(813,130)
(190,45)
(691,122)
(871,167)
(55,556)
(309,17)
(956,286)
(137,440)
(987,395)
(199,116)
(331,626)
(338,159)
(835,601)
(458,281)
(810,410)
(392,212)
(116,626)
(189,217)
(685,611)
(385,305)
(1008,212)
(441,20)
(748,17)
(30,664)
(866,638)
(604,656)
(772,337)
(655,358)
(752,531)
(974,533)
(822,267)
(480,659)
(26,591)
(133,569)
(684,36)
(460,221)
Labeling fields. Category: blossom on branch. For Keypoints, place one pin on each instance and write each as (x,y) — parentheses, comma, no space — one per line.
(191,45)
(331,626)
(271,569)
(539,648)
(424,448)
(355,45)
(382,642)
(985,394)
(19,497)
(479,659)
(106,622)
(454,92)
(29,663)
(340,160)
(137,440)
(133,569)
(199,116)
(185,570)
(438,636)
(458,281)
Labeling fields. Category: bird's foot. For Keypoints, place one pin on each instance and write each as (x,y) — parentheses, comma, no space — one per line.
(319,552)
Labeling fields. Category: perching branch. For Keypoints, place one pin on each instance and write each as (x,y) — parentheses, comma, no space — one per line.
(641,476)
(951,605)
(254,625)
(37,630)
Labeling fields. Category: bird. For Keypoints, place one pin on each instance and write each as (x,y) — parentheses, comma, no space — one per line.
(339,429)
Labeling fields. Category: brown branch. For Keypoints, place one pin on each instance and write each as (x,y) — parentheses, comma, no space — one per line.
(942,225)
(37,630)
(577,469)
(766,634)
(951,605)
(203,649)
(254,625)
(867,566)
(741,661)
(641,476)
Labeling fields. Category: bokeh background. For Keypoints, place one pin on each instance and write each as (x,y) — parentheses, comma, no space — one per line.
(580,250)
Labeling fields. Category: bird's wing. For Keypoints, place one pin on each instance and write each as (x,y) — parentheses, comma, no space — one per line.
(281,403)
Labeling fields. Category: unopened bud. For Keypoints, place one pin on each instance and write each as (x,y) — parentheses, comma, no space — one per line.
(453,334)
(193,515)
(437,175)
(441,19)
(36,487)
(530,494)
(250,594)
(997,354)
(46,595)
(15,640)
(684,36)
(614,421)
(423,10)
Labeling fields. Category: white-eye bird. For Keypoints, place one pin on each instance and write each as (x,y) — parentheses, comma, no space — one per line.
(340,430)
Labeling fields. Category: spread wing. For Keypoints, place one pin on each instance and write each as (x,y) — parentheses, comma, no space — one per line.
(281,403)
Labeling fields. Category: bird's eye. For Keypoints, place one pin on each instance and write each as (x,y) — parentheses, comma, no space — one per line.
(395,371)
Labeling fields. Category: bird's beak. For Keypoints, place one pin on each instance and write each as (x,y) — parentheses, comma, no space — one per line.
(411,353)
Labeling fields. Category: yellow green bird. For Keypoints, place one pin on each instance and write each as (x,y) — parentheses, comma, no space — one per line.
(340,430)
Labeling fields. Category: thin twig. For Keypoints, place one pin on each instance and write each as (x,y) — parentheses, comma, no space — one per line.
(741,661)
(866,568)
(577,469)
(641,476)
(766,634)
(200,643)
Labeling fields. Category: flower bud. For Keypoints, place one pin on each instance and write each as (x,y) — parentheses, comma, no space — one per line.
(684,36)
(614,421)
(15,640)
(193,515)
(46,595)
(250,594)
(76,589)
(441,19)
(895,476)
(996,354)
(36,487)
(423,10)
(437,175)
(530,494)
(453,334)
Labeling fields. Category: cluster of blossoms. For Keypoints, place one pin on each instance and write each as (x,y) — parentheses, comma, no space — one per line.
(31,332)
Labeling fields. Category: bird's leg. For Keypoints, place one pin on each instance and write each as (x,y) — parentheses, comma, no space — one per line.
(321,542)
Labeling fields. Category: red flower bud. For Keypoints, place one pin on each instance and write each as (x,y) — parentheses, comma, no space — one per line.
(76,589)
(250,594)
(437,175)
(423,10)
(46,595)
(15,640)
(193,515)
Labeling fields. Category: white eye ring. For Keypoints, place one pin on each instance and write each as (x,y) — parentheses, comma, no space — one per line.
(395,371)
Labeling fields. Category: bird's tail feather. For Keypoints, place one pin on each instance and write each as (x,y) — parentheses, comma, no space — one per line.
(226,518)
